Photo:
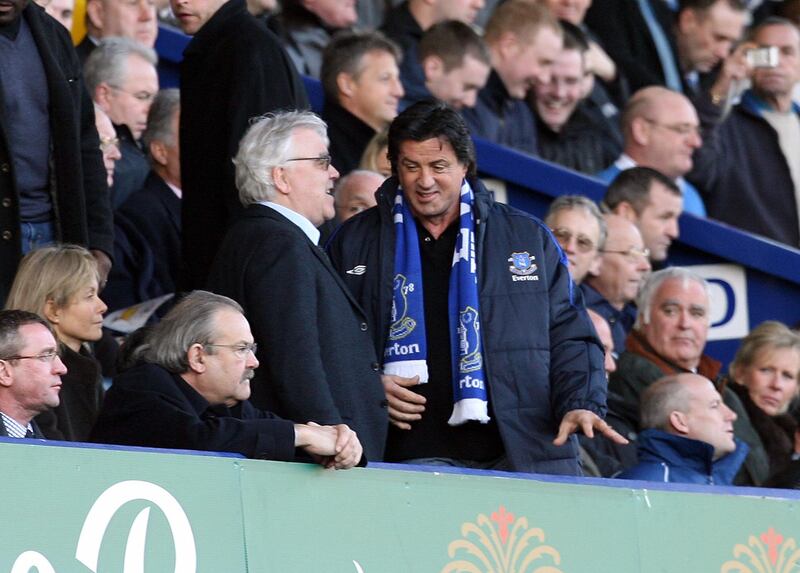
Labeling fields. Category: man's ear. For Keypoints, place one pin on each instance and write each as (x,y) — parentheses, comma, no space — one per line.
(640,131)
(158,151)
(101,95)
(280,181)
(507,46)
(346,84)
(95,13)
(433,66)
(687,21)
(679,422)
(196,357)
(6,375)
(626,210)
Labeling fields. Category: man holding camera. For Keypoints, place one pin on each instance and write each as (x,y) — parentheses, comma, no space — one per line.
(748,167)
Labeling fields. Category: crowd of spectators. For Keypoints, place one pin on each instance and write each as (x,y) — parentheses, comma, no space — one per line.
(398,341)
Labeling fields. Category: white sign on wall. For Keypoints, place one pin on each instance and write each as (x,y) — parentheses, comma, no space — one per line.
(727,286)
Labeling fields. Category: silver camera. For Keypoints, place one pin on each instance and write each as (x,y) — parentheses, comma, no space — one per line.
(763,57)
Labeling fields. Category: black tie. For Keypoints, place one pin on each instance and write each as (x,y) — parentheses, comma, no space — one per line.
(29,433)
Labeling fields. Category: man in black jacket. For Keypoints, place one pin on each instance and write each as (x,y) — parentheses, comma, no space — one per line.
(362,88)
(191,393)
(52,179)
(234,69)
(317,353)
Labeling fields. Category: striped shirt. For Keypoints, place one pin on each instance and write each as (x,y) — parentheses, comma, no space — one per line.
(13,428)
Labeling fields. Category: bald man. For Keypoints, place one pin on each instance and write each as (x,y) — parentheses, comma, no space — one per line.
(624,264)
(687,434)
(355,192)
(661,131)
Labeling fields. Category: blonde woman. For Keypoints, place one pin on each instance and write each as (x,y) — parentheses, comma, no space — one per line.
(764,373)
(60,283)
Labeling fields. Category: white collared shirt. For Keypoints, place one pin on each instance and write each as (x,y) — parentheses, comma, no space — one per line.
(626,162)
(305,225)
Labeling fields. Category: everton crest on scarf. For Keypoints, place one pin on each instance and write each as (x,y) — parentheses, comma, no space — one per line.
(406,352)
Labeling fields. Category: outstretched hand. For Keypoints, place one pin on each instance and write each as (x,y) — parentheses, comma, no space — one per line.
(587,422)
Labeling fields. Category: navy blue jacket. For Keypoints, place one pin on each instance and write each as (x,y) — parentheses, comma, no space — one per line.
(742,172)
(540,352)
(147,246)
(401,27)
(502,119)
(668,458)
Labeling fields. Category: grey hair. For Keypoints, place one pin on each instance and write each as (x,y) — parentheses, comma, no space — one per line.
(660,399)
(267,144)
(191,321)
(159,119)
(644,301)
(568,202)
(108,62)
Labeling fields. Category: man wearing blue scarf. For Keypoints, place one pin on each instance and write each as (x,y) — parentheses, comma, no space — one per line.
(489,362)
(748,168)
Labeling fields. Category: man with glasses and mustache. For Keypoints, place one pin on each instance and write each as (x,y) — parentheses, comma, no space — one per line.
(190,390)
(30,372)
(121,78)
(319,362)
(661,131)
(611,289)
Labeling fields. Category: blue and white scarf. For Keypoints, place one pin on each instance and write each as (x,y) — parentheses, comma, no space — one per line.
(406,351)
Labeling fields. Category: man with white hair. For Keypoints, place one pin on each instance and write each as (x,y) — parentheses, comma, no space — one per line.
(121,78)
(669,337)
(319,362)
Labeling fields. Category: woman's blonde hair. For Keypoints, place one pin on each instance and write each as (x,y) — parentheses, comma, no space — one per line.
(377,147)
(769,335)
(54,273)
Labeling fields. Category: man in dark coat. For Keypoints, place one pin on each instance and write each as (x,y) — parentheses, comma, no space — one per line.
(234,69)
(362,93)
(407,22)
(512,367)
(191,393)
(748,167)
(317,353)
(147,228)
(52,179)
(524,39)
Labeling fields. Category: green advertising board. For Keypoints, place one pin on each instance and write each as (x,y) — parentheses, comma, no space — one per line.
(80,510)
